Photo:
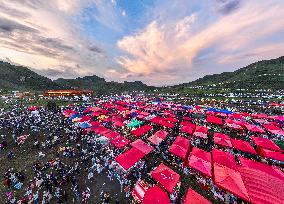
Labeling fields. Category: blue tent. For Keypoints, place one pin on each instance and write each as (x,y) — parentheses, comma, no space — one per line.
(74,116)
(84,125)
(220,110)
(187,107)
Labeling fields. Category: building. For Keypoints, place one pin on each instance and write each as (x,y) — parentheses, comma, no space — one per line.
(55,93)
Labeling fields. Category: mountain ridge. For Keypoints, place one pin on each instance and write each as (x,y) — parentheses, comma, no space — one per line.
(267,74)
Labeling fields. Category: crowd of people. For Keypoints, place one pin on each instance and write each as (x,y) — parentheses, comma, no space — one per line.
(62,160)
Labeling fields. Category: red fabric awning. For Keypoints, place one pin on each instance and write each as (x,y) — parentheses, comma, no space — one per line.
(156,195)
(271,154)
(201,161)
(158,137)
(188,128)
(254,128)
(119,142)
(265,143)
(142,130)
(274,129)
(201,131)
(243,146)
(193,197)
(180,147)
(166,177)
(224,159)
(214,120)
(222,139)
(230,180)
(142,146)
(129,158)
(264,183)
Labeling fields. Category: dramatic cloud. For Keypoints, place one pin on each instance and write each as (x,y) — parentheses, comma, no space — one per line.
(47,32)
(159,42)
(177,49)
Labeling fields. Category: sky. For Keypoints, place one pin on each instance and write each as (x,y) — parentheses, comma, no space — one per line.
(158,42)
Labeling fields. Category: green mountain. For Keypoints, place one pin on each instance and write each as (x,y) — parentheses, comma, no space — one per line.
(266,74)
(14,77)
(99,85)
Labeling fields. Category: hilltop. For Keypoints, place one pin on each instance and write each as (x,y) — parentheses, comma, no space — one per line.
(266,74)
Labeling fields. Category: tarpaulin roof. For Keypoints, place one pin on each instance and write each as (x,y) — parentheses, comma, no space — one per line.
(222,139)
(259,115)
(274,129)
(219,110)
(232,124)
(264,183)
(111,134)
(265,143)
(253,128)
(236,116)
(142,130)
(156,195)
(94,123)
(119,142)
(201,131)
(271,154)
(201,161)
(166,177)
(101,130)
(158,137)
(189,129)
(85,118)
(84,125)
(193,197)
(139,190)
(142,146)
(129,158)
(243,146)
(224,159)
(230,180)
(214,120)
(180,147)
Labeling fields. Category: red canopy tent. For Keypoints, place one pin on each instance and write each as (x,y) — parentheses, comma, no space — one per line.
(271,154)
(222,139)
(129,158)
(158,137)
(142,130)
(32,108)
(94,123)
(139,190)
(193,197)
(156,195)
(201,161)
(119,142)
(265,143)
(243,146)
(188,128)
(85,118)
(101,130)
(224,159)
(233,124)
(230,180)
(166,177)
(142,146)
(180,147)
(274,129)
(111,135)
(214,120)
(264,183)
(254,128)
(201,131)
